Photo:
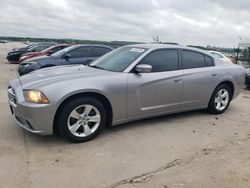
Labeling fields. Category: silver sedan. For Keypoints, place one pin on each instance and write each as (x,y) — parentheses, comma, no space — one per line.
(130,83)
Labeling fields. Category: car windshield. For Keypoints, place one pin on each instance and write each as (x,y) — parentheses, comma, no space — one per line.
(118,60)
(47,49)
(31,45)
(60,53)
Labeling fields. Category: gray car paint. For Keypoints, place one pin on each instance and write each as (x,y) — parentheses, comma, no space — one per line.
(132,95)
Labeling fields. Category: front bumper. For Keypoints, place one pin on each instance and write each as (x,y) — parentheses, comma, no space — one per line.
(13,57)
(35,118)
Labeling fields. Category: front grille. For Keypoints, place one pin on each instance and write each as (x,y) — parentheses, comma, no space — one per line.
(11,95)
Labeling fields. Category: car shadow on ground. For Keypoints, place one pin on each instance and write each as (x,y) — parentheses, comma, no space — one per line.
(158,120)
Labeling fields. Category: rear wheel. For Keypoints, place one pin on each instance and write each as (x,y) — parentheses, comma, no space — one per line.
(82,119)
(220,99)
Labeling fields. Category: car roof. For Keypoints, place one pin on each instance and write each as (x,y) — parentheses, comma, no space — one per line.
(92,45)
(154,46)
(211,51)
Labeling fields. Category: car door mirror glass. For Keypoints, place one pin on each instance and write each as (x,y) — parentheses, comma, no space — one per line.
(143,68)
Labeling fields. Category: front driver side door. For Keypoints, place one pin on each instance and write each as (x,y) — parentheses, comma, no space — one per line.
(157,92)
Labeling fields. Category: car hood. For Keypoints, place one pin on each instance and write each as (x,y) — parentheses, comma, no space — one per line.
(41,58)
(57,74)
(32,53)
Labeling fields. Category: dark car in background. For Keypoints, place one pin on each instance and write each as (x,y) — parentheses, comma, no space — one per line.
(247,79)
(15,54)
(47,51)
(77,54)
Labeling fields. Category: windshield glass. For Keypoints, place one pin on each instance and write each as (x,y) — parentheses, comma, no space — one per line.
(47,49)
(118,60)
(60,53)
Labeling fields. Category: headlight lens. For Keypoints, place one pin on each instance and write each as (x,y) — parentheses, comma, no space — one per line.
(29,64)
(23,57)
(35,96)
(32,62)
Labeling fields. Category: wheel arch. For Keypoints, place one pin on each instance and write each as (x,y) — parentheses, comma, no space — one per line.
(103,99)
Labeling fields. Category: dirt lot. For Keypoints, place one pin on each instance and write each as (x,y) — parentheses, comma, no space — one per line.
(191,149)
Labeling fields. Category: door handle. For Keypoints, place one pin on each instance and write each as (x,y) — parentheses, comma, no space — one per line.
(177,80)
(214,74)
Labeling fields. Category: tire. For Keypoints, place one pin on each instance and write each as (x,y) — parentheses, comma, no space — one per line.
(217,97)
(77,113)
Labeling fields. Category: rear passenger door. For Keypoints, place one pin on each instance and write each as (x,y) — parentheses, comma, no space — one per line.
(80,55)
(199,79)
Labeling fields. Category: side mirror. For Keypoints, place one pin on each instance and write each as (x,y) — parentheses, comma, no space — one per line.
(143,68)
(67,56)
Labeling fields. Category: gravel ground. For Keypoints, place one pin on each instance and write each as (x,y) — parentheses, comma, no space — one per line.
(191,149)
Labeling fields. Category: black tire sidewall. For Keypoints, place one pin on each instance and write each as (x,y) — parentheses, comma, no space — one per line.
(211,107)
(62,118)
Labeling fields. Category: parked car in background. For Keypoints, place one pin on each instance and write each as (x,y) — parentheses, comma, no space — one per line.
(47,51)
(26,47)
(221,56)
(76,54)
(15,54)
(247,79)
(130,83)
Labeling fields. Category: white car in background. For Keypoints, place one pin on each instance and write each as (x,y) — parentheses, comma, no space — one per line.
(221,56)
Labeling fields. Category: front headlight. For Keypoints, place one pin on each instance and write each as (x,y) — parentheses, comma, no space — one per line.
(35,96)
(23,57)
(29,64)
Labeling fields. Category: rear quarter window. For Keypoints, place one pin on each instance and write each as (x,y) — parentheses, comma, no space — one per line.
(209,61)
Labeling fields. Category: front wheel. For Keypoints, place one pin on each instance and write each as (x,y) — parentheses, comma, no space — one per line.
(220,99)
(82,119)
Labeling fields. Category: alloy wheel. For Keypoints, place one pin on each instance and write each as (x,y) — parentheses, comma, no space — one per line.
(221,99)
(84,120)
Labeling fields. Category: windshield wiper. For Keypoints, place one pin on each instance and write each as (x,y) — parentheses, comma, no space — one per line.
(94,66)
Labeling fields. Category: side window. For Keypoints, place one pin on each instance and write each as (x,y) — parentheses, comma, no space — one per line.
(191,59)
(209,61)
(62,47)
(99,51)
(162,60)
(56,49)
(80,52)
